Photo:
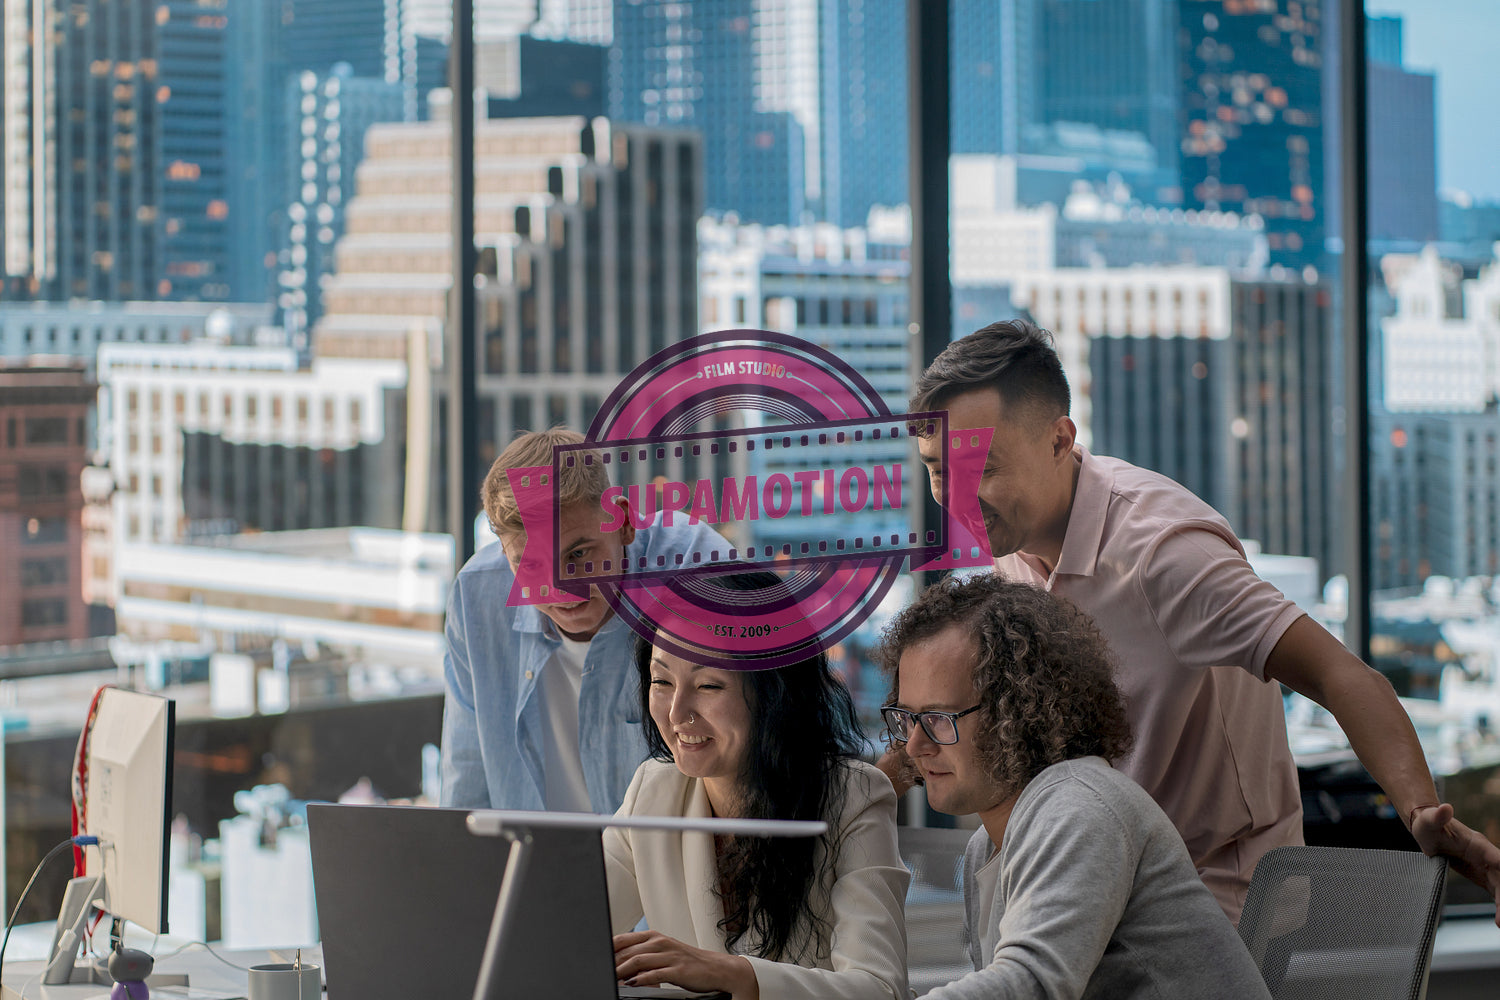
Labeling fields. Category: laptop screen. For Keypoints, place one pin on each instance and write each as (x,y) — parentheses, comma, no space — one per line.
(405,896)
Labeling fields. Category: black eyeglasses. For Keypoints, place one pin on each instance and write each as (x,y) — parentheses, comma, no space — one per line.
(940,727)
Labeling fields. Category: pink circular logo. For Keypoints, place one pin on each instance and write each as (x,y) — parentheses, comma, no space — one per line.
(786,438)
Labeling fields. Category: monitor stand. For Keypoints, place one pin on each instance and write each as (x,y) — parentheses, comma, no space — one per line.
(80,899)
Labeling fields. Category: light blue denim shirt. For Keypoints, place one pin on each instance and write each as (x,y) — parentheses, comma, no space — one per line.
(493,714)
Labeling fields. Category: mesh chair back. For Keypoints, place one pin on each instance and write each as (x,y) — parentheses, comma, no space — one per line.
(1332,922)
(936,950)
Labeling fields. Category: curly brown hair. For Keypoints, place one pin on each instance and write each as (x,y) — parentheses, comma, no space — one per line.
(1044,674)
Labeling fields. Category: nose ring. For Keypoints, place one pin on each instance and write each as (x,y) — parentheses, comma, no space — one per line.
(691,718)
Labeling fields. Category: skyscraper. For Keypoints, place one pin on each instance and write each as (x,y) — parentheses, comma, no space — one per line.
(589,266)
(195,195)
(1219,382)
(842,289)
(528,77)
(1252,125)
(864,136)
(29,83)
(694,66)
(268,43)
(1435,496)
(1402,135)
(83,183)
(802,103)
(1106,63)
(330,112)
(982,77)
(1383,40)
(1091,83)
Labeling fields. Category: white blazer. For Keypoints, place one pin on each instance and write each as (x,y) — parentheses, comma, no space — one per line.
(669,878)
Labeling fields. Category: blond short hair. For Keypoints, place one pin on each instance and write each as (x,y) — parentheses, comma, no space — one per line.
(582,482)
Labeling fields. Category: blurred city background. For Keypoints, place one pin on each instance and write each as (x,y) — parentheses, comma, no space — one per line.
(226,273)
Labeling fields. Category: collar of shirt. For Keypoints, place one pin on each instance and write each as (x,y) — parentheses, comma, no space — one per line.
(529,619)
(1080,549)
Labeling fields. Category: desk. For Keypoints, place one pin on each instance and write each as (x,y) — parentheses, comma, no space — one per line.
(210,977)
(1465,964)
(1465,960)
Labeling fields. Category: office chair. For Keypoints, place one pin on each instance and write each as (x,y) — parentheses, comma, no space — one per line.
(936,950)
(1334,922)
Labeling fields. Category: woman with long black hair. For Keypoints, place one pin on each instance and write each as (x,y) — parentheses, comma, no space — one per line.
(757,917)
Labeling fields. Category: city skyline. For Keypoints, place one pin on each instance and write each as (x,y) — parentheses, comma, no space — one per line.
(1455,42)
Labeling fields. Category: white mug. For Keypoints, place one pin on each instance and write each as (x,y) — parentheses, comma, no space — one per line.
(284,981)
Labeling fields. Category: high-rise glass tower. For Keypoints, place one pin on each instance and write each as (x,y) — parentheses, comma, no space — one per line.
(329,113)
(694,66)
(1252,117)
(268,44)
(195,199)
(83,186)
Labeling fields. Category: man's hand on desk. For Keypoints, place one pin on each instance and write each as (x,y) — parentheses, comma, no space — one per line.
(650,958)
(1471,855)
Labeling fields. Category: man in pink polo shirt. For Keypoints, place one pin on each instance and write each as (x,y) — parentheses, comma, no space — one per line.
(1198,636)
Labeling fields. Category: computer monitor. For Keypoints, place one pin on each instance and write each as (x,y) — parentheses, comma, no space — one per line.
(128,806)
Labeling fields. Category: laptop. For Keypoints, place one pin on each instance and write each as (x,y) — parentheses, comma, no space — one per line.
(555,892)
(406,898)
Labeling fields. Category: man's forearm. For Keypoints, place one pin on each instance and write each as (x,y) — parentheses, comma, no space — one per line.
(1382,737)
(1313,663)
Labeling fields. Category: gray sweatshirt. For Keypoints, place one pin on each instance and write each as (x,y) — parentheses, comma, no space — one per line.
(1093,894)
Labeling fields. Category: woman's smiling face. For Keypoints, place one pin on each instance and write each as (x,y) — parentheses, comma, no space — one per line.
(702,715)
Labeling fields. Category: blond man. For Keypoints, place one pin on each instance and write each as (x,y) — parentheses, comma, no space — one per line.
(541,709)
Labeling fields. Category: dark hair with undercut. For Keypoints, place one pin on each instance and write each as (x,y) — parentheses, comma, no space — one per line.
(803,735)
(1044,674)
(1015,357)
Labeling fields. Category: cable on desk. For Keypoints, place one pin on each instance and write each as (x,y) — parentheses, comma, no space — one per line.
(206,947)
(79,841)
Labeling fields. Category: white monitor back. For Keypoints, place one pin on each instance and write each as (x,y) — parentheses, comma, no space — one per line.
(129,795)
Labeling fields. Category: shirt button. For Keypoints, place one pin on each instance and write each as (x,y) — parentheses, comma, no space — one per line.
(528,675)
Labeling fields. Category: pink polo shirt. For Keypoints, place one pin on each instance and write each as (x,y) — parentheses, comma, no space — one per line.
(1191,627)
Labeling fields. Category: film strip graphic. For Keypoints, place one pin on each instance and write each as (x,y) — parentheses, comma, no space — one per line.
(842,460)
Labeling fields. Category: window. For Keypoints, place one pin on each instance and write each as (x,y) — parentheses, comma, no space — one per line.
(43,572)
(44,612)
(46,430)
(36,482)
(43,530)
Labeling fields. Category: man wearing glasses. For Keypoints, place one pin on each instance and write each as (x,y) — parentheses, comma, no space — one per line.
(1198,637)
(1077,884)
